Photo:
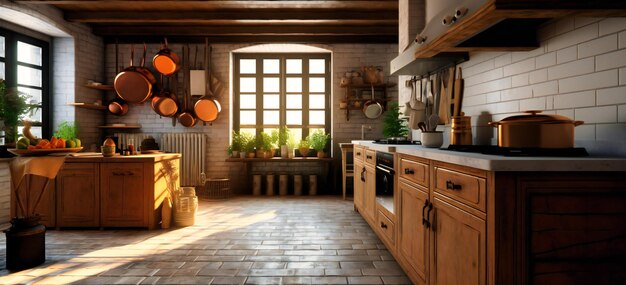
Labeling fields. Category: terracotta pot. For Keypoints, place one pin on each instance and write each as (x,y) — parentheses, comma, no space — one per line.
(321,154)
(250,155)
(304,151)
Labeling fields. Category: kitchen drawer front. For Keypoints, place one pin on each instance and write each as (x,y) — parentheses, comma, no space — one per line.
(414,171)
(386,228)
(370,156)
(359,153)
(465,188)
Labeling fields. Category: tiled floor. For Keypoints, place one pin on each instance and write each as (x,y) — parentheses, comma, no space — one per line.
(244,240)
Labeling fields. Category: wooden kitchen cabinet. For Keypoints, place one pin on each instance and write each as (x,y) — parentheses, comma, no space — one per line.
(123,192)
(413,235)
(359,184)
(78,195)
(369,193)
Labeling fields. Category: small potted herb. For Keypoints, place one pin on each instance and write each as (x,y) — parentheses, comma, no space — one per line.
(317,141)
(303,147)
(248,142)
(235,145)
(393,125)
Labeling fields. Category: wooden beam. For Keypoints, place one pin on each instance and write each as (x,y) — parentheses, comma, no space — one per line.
(304,39)
(203,16)
(184,30)
(236,22)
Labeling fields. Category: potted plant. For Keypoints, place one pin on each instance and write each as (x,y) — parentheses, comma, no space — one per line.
(303,147)
(292,143)
(248,142)
(317,141)
(267,145)
(13,104)
(284,135)
(235,145)
(393,125)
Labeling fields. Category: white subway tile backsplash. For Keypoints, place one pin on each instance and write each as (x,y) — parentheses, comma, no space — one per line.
(612,25)
(575,100)
(574,37)
(507,107)
(583,21)
(585,132)
(611,60)
(517,93)
(605,114)
(494,97)
(612,96)
(490,86)
(519,80)
(597,46)
(578,67)
(537,76)
(622,40)
(566,112)
(519,67)
(477,68)
(621,113)
(566,54)
(483,77)
(533,104)
(521,55)
(611,132)
(622,76)
(545,60)
(546,88)
(565,25)
(503,60)
(589,81)
(549,102)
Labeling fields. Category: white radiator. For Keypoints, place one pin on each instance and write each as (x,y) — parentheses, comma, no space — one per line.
(123,138)
(192,147)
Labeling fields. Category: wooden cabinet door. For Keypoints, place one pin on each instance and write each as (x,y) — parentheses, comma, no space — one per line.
(78,195)
(413,240)
(370,193)
(359,176)
(122,199)
(458,246)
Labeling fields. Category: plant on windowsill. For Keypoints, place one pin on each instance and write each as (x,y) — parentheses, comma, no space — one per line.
(303,147)
(248,142)
(318,140)
(267,145)
(393,125)
(13,104)
(235,145)
(284,135)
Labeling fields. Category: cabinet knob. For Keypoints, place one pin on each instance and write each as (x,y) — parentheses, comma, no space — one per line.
(383,225)
(363,174)
(409,171)
(451,186)
(119,173)
(358,153)
(369,157)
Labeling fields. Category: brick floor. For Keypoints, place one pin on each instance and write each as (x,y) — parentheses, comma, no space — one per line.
(244,240)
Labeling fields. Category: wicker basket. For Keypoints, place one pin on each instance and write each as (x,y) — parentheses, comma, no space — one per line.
(216,188)
(185,208)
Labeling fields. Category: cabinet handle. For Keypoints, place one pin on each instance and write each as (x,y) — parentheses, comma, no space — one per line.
(358,153)
(430,208)
(118,173)
(383,225)
(409,171)
(451,186)
(423,214)
(369,157)
(363,174)
(129,173)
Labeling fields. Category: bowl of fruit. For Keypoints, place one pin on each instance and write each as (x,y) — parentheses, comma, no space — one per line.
(29,145)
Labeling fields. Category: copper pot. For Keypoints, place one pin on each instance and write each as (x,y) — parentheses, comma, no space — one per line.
(536,131)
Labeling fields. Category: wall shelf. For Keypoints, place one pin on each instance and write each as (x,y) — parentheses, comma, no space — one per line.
(355,97)
(100,87)
(120,127)
(90,106)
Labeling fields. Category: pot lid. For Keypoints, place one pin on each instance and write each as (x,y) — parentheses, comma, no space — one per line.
(534,117)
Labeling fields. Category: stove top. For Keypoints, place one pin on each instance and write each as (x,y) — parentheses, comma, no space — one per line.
(507,151)
(397,141)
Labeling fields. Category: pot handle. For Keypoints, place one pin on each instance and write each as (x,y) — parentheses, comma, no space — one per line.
(494,124)
(578,123)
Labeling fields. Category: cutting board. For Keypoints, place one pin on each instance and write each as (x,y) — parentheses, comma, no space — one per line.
(457,95)
(447,86)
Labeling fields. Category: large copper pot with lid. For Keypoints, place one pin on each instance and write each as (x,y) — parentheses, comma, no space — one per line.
(536,131)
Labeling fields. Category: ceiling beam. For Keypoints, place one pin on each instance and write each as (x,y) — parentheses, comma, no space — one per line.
(183,30)
(304,39)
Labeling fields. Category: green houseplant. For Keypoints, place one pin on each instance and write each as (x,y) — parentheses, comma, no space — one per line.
(303,148)
(284,135)
(13,104)
(267,144)
(248,142)
(318,140)
(393,125)
(235,145)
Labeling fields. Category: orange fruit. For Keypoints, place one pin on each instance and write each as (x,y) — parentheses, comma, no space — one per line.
(60,143)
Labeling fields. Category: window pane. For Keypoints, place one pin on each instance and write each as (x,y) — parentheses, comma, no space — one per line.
(36,131)
(312,130)
(247,66)
(296,133)
(317,101)
(247,131)
(294,101)
(294,84)
(28,76)
(247,117)
(2,75)
(247,101)
(247,84)
(28,53)
(294,66)
(271,84)
(2,48)
(271,66)
(317,66)
(294,117)
(316,84)
(271,117)
(271,101)
(34,94)
(35,116)
(317,117)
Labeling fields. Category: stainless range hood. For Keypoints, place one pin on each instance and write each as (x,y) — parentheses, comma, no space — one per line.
(407,64)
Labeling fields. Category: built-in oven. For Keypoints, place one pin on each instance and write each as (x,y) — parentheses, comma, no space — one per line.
(384,174)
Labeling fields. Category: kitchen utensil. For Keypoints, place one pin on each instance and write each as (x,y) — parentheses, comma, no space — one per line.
(457,97)
(372,108)
(418,108)
(422,126)
(432,139)
(186,118)
(432,122)
(461,130)
(407,105)
(428,97)
(163,104)
(166,61)
(118,107)
(207,108)
(447,83)
(371,74)
(134,84)
(536,131)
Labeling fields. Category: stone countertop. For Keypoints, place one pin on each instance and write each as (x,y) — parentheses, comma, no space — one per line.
(505,163)
(97,157)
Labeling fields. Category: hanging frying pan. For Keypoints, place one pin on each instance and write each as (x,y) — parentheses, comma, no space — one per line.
(166,61)
(134,84)
(163,104)
(186,118)
(372,108)
(117,106)
(207,108)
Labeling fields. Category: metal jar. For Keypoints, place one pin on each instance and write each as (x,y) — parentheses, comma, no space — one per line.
(536,131)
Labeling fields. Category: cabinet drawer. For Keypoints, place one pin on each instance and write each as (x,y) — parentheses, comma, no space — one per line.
(370,156)
(465,188)
(359,153)
(386,227)
(414,171)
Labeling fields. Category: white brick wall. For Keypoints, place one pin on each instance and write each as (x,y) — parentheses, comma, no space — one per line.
(578,71)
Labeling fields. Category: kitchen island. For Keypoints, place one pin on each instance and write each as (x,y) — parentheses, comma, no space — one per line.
(120,191)
(467,218)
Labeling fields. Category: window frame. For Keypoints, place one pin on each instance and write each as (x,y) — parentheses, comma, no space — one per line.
(305,75)
(10,70)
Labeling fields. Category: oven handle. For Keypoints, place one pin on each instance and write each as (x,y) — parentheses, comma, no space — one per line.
(388,171)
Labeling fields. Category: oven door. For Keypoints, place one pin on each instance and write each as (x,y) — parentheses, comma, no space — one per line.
(384,180)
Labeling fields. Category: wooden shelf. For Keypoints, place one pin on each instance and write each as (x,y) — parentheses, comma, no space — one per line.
(353,88)
(88,106)
(120,127)
(280,159)
(367,85)
(100,87)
